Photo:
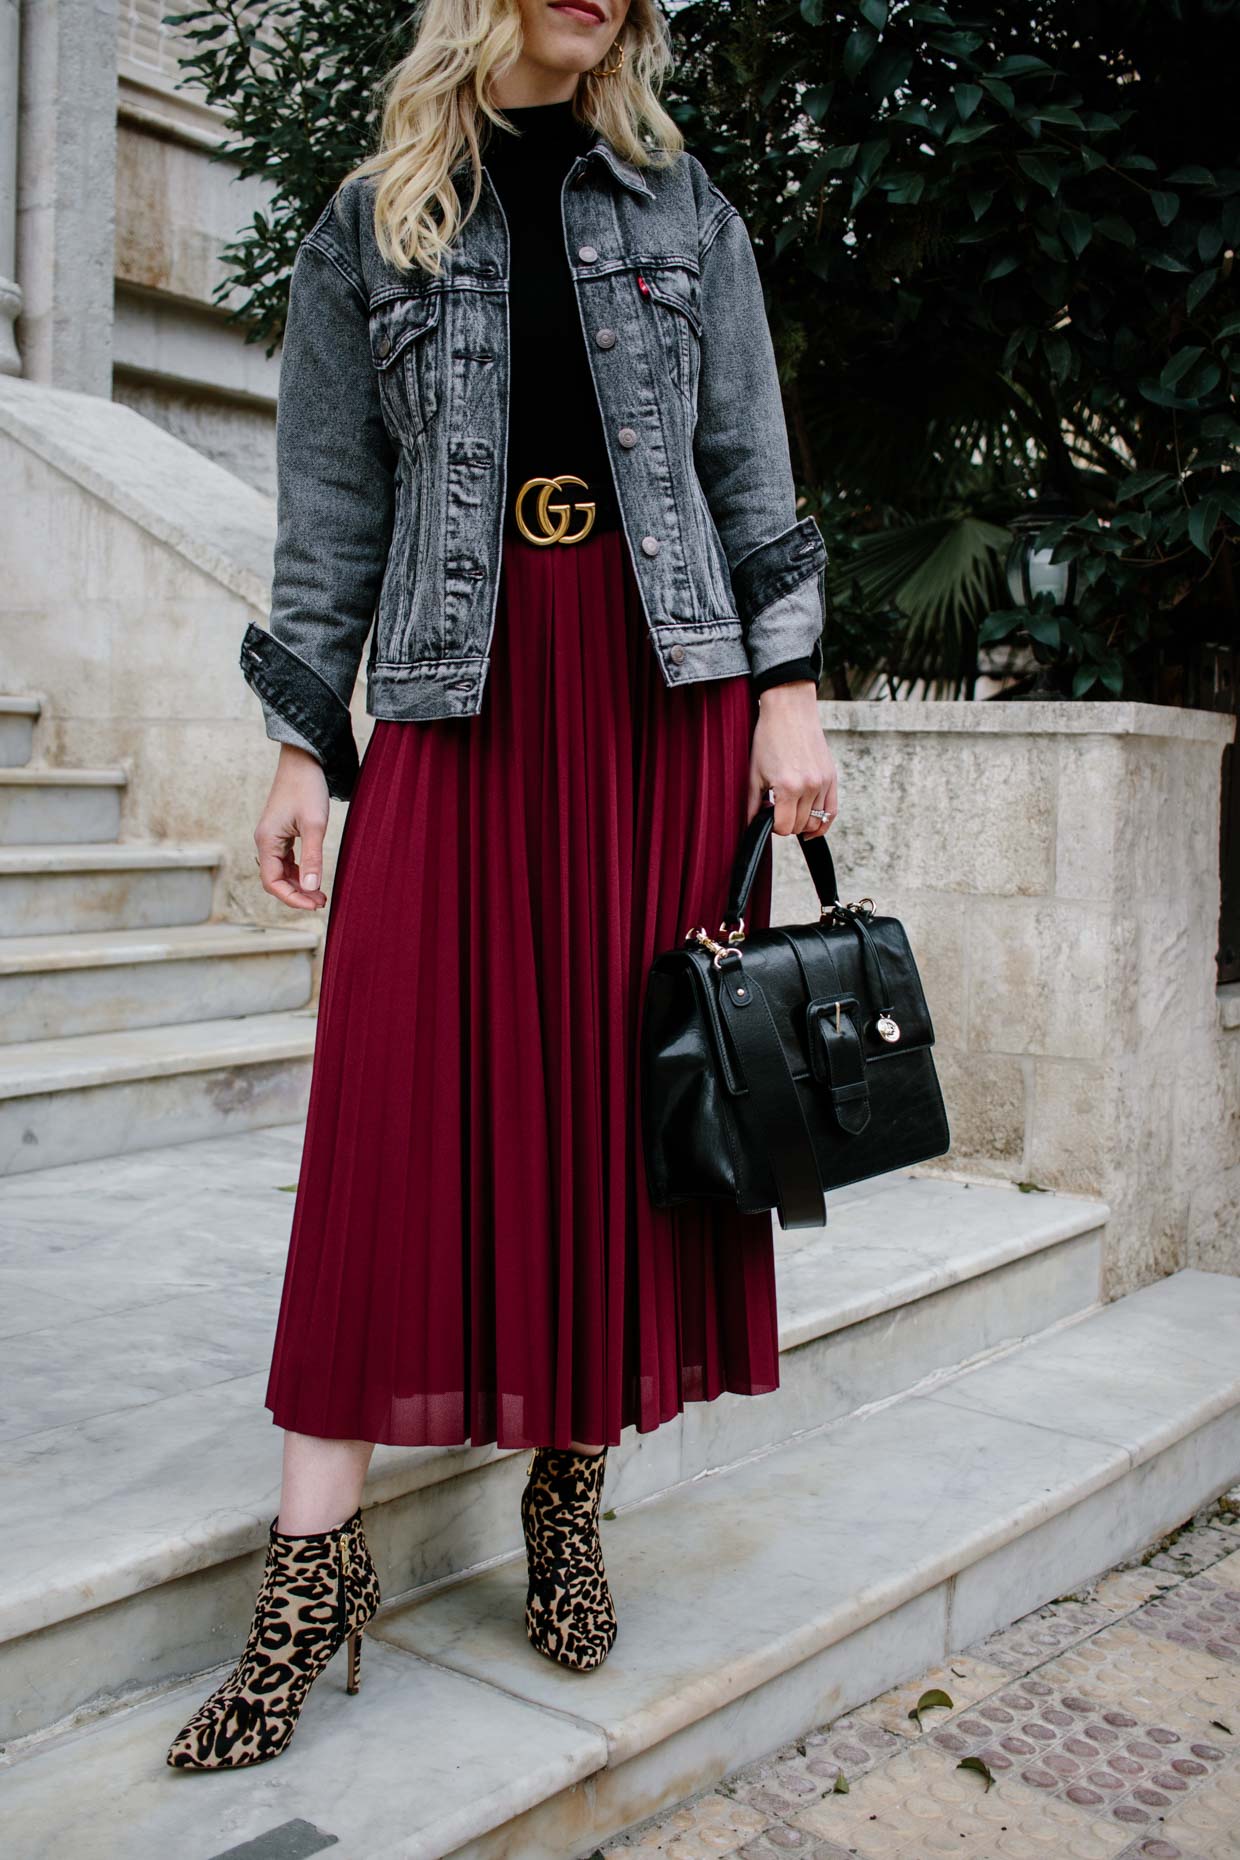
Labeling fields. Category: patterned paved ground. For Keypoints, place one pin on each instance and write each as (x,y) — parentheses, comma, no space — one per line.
(1108,1723)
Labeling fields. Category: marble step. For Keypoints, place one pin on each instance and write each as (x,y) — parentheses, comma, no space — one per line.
(754,1604)
(100,981)
(56,807)
(135,1371)
(102,1094)
(130,885)
(18,716)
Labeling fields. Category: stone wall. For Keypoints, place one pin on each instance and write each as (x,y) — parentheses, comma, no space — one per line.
(131,567)
(1057,868)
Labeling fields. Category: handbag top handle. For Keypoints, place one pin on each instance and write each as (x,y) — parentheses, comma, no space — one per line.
(749,853)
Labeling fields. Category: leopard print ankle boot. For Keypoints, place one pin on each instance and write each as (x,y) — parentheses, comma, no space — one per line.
(318,1591)
(569,1614)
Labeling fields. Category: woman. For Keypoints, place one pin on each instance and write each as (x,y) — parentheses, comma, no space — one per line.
(530,430)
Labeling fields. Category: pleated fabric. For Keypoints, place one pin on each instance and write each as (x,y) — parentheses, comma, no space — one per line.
(474,1255)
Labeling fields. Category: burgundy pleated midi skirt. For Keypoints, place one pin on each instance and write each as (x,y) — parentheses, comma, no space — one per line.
(474,1255)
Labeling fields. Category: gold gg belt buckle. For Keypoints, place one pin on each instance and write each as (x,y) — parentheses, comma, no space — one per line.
(544,510)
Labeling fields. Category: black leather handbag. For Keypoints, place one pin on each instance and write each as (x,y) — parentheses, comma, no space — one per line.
(777,1065)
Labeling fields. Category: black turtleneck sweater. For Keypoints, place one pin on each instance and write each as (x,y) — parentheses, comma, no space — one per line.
(554,422)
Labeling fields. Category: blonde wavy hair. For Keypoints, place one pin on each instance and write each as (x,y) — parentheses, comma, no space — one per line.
(435,97)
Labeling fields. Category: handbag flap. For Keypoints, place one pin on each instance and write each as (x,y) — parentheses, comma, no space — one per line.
(777,959)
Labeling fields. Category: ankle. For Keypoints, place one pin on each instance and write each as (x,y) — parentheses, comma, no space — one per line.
(311,1522)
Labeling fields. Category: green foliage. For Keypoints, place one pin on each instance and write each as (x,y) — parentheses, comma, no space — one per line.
(998,243)
(999,249)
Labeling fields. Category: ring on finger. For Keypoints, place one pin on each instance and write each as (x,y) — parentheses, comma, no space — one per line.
(820,813)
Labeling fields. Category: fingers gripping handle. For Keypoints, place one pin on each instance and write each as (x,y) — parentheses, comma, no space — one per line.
(749,857)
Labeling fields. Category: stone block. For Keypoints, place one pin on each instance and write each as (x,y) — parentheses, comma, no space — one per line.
(950,813)
(1046,976)
(986,1097)
(1073,1124)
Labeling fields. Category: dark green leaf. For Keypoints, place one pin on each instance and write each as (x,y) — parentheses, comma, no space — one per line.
(1059,113)
(812,11)
(1084,679)
(998,626)
(1116,229)
(970,132)
(979,199)
(1023,65)
(1077,230)
(1058,352)
(817,101)
(1179,365)
(858,51)
(1044,628)
(904,190)
(1199,289)
(1001,92)
(1046,173)
(1000,268)
(979,1767)
(967,96)
(1191,176)
(1209,244)
(1165,205)
(1202,523)
(1139,482)
(876,12)
(827,163)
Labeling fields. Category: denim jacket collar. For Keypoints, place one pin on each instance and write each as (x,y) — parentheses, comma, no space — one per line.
(626,172)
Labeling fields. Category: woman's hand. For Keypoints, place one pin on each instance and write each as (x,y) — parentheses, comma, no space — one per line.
(791,755)
(297,808)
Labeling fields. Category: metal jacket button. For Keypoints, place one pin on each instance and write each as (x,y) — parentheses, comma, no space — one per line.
(650,545)
(677,655)
(627,436)
(384,345)
(587,254)
(605,338)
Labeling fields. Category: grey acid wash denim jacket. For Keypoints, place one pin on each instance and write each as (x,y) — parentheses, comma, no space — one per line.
(391,453)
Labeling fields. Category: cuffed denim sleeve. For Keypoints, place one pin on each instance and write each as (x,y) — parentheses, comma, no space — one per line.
(335,489)
(742,458)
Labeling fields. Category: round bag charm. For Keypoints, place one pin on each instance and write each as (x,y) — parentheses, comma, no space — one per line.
(887,1028)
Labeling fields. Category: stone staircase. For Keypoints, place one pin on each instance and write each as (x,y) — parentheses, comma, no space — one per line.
(128,1018)
(961,1433)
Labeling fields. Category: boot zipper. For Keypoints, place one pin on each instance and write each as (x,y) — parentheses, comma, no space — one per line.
(344,1571)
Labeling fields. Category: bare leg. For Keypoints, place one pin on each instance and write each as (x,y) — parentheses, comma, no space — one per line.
(323,1482)
(575,1446)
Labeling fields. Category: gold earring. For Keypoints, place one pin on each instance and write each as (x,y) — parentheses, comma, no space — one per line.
(611,70)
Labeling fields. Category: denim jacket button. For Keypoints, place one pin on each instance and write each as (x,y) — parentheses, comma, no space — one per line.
(650,545)
(627,436)
(587,254)
(677,655)
(384,345)
(605,338)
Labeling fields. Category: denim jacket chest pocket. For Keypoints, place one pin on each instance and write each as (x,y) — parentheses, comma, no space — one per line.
(672,290)
(403,348)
